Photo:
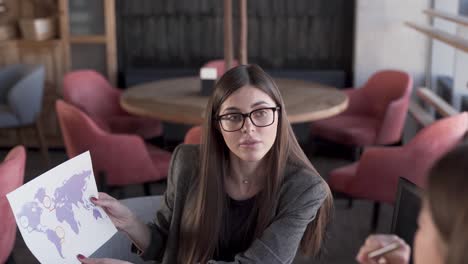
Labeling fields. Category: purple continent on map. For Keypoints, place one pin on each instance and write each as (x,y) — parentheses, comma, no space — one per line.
(40,194)
(55,239)
(96,214)
(70,194)
(33,213)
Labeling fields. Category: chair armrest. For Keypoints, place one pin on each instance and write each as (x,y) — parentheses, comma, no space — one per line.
(393,121)
(128,154)
(25,98)
(378,172)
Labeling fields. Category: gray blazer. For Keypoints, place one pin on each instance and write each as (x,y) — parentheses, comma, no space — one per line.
(301,195)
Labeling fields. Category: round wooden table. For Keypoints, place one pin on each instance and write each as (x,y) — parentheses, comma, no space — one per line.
(179,101)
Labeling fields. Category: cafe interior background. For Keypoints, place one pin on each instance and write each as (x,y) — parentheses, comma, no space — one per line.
(126,44)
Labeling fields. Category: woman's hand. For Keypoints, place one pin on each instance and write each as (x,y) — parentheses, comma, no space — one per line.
(373,242)
(119,214)
(85,260)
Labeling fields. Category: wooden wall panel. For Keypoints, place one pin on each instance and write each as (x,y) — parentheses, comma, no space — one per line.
(281,34)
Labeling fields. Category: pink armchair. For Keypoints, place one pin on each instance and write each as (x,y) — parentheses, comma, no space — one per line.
(124,158)
(93,94)
(375,175)
(193,136)
(11,177)
(375,115)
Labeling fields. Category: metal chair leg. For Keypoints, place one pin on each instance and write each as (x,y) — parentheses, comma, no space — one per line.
(10,260)
(147,188)
(102,182)
(356,153)
(375,217)
(116,191)
(20,136)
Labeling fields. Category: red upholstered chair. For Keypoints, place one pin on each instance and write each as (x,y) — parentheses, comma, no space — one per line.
(93,94)
(124,158)
(375,115)
(193,136)
(219,65)
(375,176)
(11,177)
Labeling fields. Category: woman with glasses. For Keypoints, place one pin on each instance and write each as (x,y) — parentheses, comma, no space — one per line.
(247,194)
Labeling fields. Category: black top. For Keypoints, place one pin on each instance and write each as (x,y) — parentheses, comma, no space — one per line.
(300,196)
(237,235)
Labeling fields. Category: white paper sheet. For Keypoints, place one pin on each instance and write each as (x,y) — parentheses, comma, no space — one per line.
(55,216)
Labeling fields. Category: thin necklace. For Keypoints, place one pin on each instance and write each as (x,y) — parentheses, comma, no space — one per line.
(246,180)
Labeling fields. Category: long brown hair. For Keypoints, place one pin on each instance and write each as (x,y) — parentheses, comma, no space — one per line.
(447,194)
(202,220)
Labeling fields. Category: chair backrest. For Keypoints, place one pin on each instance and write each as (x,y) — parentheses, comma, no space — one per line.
(78,130)
(124,158)
(386,86)
(25,95)
(9,75)
(432,142)
(92,93)
(406,212)
(11,177)
(193,136)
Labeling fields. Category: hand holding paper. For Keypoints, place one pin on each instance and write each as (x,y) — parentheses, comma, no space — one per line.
(55,215)
(119,214)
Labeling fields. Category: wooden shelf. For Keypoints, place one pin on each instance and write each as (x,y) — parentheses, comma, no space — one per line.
(462,20)
(34,43)
(31,43)
(55,40)
(450,39)
(89,39)
(108,39)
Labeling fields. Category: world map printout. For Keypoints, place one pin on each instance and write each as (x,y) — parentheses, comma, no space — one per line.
(55,216)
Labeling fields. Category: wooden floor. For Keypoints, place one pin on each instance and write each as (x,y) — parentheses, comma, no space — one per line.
(347,232)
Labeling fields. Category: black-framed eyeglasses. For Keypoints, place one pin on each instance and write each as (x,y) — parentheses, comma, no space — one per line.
(262,117)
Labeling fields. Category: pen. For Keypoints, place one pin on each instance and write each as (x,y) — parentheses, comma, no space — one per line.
(384,250)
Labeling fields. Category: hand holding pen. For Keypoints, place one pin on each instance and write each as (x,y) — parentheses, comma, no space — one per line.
(384,249)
